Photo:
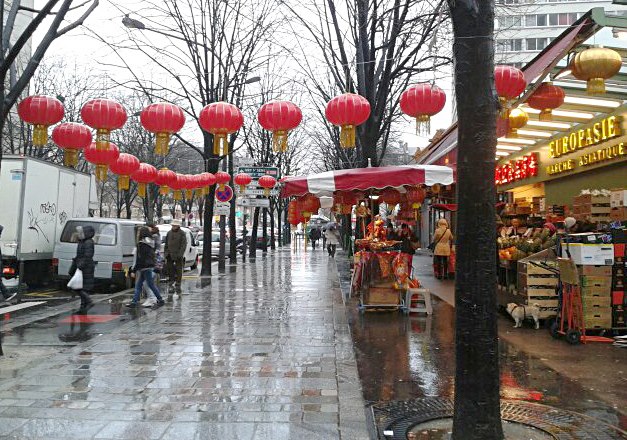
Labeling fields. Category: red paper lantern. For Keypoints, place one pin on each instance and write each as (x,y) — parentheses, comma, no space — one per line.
(101,158)
(72,138)
(546,98)
(188,184)
(279,117)
(293,216)
(40,111)
(206,180)
(222,178)
(422,101)
(178,185)
(391,196)
(344,201)
(124,166)
(347,111)
(308,204)
(267,183)
(165,179)
(415,196)
(144,175)
(163,119)
(104,115)
(509,83)
(221,119)
(242,180)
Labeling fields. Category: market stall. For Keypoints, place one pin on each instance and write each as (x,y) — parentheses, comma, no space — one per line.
(382,271)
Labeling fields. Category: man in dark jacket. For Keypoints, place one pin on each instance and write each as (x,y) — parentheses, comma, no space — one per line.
(174,250)
(6,296)
(144,267)
(84,261)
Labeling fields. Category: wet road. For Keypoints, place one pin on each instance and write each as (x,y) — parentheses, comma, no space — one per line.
(262,353)
(404,358)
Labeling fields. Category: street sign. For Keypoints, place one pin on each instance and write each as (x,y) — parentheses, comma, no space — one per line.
(225,194)
(221,208)
(255,203)
(257,172)
(259,192)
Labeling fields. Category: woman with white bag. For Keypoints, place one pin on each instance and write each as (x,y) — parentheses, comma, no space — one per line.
(84,262)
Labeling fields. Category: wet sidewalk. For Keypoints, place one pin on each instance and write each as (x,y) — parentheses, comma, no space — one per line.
(261,353)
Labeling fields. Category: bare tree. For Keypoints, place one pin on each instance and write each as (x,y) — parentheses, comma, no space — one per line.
(211,46)
(17,66)
(373,48)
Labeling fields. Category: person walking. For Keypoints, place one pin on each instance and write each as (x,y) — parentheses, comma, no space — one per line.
(84,261)
(151,298)
(3,290)
(314,236)
(144,266)
(174,250)
(333,239)
(443,239)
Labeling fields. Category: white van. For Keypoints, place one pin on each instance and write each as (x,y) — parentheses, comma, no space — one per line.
(191,253)
(113,251)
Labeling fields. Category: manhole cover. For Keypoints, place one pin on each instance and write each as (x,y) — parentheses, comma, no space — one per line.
(394,420)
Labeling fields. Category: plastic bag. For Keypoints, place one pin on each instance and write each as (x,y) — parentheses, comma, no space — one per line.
(76,282)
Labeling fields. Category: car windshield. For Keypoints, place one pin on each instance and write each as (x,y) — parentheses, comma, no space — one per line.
(200,236)
(106,233)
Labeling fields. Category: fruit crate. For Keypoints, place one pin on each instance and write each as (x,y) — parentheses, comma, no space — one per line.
(599,320)
(544,297)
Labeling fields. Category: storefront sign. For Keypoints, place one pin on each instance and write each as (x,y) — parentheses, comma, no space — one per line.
(519,169)
(601,131)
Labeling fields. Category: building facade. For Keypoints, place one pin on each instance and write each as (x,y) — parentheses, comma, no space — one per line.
(525,27)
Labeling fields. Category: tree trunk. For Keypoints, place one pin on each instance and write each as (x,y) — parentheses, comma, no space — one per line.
(265,230)
(272,237)
(232,208)
(253,235)
(477,411)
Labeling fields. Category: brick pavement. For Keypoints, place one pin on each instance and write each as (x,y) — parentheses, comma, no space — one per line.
(261,353)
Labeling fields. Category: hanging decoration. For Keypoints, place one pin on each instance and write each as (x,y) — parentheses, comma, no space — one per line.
(595,65)
(40,111)
(103,115)
(242,180)
(163,119)
(436,188)
(509,83)
(391,197)
(279,117)
(267,183)
(101,158)
(421,101)
(177,186)
(546,98)
(348,111)
(72,138)
(344,201)
(124,166)
(415,196)
(220,119)
(207,180)
(293,217)
(309,205)
(165,179)
(517,119)
(222,178)
(144,175)
(188,185)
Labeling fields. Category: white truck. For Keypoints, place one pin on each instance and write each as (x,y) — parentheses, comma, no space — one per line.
(36,199)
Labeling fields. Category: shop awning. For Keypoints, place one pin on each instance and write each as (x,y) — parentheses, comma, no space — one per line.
(452,207)
(324,184)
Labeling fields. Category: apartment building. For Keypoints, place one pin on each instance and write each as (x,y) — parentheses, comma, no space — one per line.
(524,27)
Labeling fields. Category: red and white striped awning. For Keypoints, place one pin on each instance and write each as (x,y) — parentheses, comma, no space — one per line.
(324,184)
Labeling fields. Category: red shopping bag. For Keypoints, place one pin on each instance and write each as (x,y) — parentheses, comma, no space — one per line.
(451,265)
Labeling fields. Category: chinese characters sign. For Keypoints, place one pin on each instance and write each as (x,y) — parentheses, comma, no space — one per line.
(523,168)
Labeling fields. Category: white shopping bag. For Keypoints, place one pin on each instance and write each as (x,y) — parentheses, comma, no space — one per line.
(76,282)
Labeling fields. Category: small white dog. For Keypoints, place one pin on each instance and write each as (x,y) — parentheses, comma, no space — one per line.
(520,313)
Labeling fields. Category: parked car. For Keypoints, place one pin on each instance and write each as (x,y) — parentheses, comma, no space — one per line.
(191,253)
(113,251)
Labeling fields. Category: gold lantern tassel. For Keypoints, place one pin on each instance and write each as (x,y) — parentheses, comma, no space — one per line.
(595,86)
(279,141)
(164,190)
(546,115)
(141,189)
(423,125)
(266,192)
(242,188)
(70,157)
(512,133)
(40,135)
(189,193)
(347,136)
(220,144)
(221,187)
(101,172)
(178,195)
(102,139)
(505,107)
(123,183)
(205,190)
(162,144)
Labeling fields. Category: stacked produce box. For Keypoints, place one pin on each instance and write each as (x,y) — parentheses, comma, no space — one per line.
(618,205)
(537,281)
(538,205)
(619,279)
(596,284)
(593,208)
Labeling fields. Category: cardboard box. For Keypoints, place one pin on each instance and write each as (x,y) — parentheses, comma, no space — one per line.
(618,198)
(618,298)
(595,303)
(595,254)
(596,291)
(595,271)
(618,214)
(589,199)
(590,281)
(598,321)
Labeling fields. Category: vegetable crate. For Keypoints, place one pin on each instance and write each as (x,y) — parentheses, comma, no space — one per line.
(538,284)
